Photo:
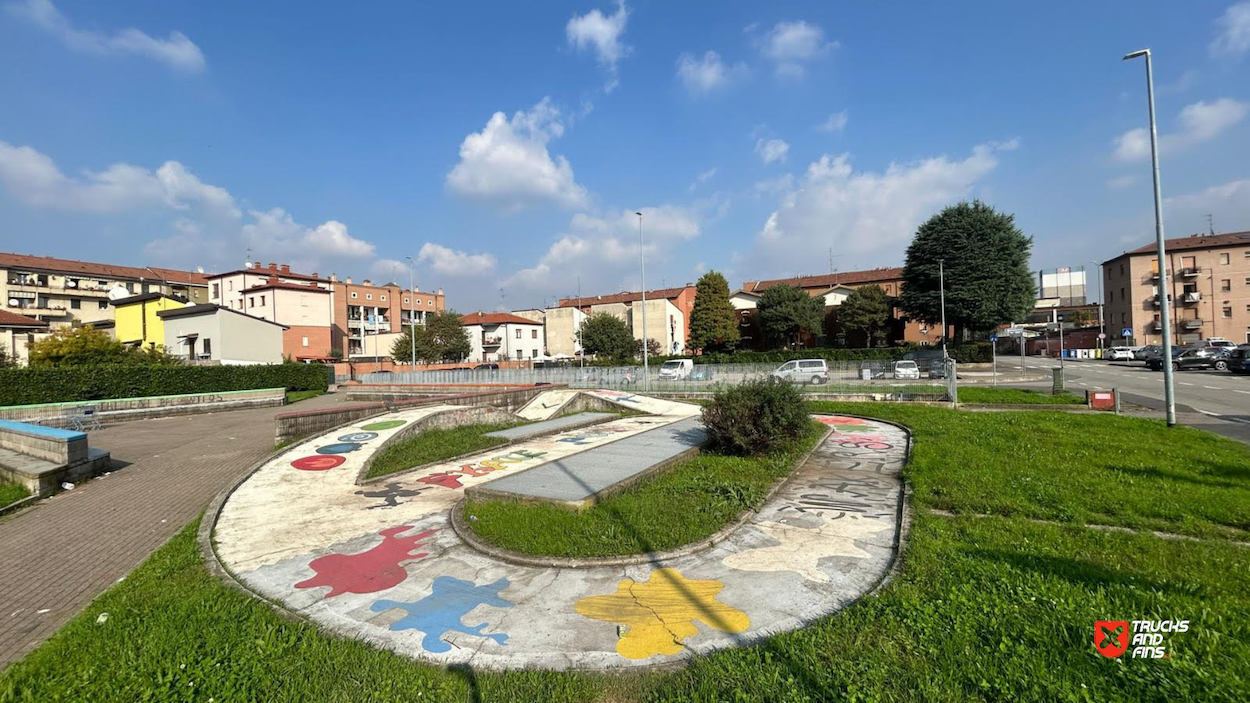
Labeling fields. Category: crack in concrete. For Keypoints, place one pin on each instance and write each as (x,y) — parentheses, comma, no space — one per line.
(676,640)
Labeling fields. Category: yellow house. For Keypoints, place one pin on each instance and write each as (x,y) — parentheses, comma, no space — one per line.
(136,322)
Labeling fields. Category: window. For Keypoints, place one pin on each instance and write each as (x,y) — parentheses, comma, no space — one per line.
(1248,253)
(1121,269)
(262,301)
(1110,296)
(533,334)
(104,305)
(429,303)
(405,301)
(1227,311)
(229,285)
(518,333)
(1123,318)
(251,301)
(208,347)
(533,353)
(368,296)
(1226,285)
(1224,258)
(1248,280)
(353,294)
(305,341)
(1121,294)
(216,290)
(382,298)
(75,304)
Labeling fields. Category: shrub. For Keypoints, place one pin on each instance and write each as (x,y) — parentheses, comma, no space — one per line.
(23,386)
(755,417)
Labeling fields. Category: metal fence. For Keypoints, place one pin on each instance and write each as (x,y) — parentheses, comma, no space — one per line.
(926,380)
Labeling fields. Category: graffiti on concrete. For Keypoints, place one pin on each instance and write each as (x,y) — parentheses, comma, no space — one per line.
(442,611)
(339,448)
(383,425)
(390,495)
(319,462)
(374,570)
(800,549)
(839,421)
(358,437)
(588,436)
(875,442)
(660,613)
(451,479)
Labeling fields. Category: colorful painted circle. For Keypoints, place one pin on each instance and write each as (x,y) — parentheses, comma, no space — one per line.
(384,425)
(318,463)
(358,437)
(341,448)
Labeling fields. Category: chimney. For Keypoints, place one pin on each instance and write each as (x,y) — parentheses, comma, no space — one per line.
(440,291)
(366,282)
(286,268)
(273,266)
(416,289)
(348,280)
(334,278)
(273,278)
(314,275)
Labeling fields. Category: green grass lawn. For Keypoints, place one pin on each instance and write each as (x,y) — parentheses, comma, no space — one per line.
(1015,396)
(297,396)
(11,493)
(435,445)
(686,503)
(998,608)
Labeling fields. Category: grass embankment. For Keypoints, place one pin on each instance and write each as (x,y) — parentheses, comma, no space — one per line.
(996,608)
(684,504)
(297,396)
(435,445)
(1015,396)
(11,493)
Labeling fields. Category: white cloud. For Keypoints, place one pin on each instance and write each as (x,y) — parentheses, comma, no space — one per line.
(37,181)
(507,164)
(835,123)
(791,45)
(701,179)
(274,233)
(708,74)
(602,33)
(176,51)
(774,186)
(1228,203)
(1199,122)
(1234,32)
(1121,182)
(452,262)
(771,150)
(869,215)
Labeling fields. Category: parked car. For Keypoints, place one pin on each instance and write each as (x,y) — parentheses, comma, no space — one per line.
(676,369)
(1194,358)
(871,369)
(1119,354)
(1239,359)
(1221,342)
(1155,351)
(1144,353)
(486,367)
(813,371)
(702,372)
(931,358)
(906,369)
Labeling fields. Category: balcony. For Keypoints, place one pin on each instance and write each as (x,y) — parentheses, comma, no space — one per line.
(1191,298)
(1190,272)
(1154,326)
(491,340)
(1192,323)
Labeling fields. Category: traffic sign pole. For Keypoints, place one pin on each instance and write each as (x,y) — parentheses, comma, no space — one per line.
(994,357)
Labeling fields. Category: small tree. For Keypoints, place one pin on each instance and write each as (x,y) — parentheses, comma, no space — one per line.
(1079,317)
(443,338)
(7,359)
(786,311)
(604,334)
(81,346)
(713,324)
(986,262)
(866,310)
(401,348)
(653,347)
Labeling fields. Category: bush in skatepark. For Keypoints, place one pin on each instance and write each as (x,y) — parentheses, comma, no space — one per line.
(754,417)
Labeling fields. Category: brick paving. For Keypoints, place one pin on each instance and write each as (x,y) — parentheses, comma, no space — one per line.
(58,555)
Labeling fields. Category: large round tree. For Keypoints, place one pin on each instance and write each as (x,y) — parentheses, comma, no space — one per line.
(713,324)
(986,262)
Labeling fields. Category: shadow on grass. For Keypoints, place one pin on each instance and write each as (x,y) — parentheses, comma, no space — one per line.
(1223,470)
(470,679)
(1077,572)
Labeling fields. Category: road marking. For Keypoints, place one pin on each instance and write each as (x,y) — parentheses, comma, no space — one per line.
(1184,384)
(1238,390)
(1212,388)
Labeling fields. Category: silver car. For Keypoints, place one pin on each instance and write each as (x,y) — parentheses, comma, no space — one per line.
(814,371)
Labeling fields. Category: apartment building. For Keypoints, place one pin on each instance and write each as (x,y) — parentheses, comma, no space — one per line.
(363,310)
(562,327)
(300,302)
(69,293)
(834,288)
(501,336)
(1208,291)
(17,332)
(668,313)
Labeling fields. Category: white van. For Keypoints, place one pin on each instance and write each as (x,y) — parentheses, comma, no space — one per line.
(676,370)
(803,371)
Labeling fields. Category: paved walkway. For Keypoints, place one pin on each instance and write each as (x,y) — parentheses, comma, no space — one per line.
(58,555)
(386,566)
(558,423)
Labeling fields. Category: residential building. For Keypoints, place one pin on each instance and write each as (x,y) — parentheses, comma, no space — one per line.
(69,293)
(136,320)
(563,331)
(501,336)
(668,324)
(212,333)
(834,288)
(301,303)
(17,332)
(1208,290)
(363,309)
(1065,285)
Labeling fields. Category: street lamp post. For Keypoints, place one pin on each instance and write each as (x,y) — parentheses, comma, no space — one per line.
(1102,331)
(1166,303)
(942,293)
(412,322)
(642,274)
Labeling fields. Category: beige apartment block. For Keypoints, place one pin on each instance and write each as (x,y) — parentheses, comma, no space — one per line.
(562,328)
(1208,291)
(665,323)
(68,293)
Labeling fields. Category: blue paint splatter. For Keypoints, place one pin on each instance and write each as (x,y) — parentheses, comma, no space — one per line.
(358,437)
(441,611)
(341,448)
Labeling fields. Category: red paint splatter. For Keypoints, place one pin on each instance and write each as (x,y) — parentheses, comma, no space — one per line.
(446,479)
(320,462)
(830,420)
(371,571)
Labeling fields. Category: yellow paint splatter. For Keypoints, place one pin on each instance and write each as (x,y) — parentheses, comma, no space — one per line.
(659,613)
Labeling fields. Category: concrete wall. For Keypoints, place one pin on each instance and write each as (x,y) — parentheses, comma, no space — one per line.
(302,423)
(562,327)
(441,420)
(148,407)
(666,324)
(509,397)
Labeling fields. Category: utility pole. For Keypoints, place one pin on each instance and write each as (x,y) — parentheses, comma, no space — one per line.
(942,288)
(577,333)
(642,273)
(412,322)
(1165,301)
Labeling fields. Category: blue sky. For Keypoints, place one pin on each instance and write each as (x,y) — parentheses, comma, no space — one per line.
(506,146)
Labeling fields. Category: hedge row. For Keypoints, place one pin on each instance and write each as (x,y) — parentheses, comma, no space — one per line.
(23,386)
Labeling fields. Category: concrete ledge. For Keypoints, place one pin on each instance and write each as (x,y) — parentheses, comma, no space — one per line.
(438,420)
(508,397)
(47,443)
(121,409)
(42,477)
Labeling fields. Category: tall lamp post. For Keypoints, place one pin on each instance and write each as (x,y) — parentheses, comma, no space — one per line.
(942,292)
(412,321)
(1165,299)
(1102,331)
(642,273)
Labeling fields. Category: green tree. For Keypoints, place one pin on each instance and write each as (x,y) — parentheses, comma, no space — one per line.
(786,311)
(986,262)
(87,346)
(653,347)
(866,310)
(442,338)
(606,335)
(7,358)
(713,323)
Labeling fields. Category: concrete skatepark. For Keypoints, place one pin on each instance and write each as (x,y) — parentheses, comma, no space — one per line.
(382,562)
